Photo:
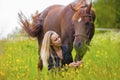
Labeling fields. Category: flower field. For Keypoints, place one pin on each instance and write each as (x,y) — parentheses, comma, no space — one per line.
(18,60)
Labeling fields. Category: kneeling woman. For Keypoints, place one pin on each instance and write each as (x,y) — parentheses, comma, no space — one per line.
(53,53)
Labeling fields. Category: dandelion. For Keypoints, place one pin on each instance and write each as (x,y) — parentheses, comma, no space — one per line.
(96,55)
(62,69)
(89,72)
(17,60)
(115,74)
(77,71)
(9,56)
(28,69)
(16,69)
(18,76)
(23,74)
(106,56)
(2,73)
(66,65)
(98,51)
(81,65)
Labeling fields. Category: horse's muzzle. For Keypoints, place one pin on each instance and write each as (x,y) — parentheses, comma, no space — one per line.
(77,45)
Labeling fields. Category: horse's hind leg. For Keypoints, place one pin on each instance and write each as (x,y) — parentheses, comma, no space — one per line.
(40,66)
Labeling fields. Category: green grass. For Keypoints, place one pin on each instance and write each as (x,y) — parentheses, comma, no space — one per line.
(18,61)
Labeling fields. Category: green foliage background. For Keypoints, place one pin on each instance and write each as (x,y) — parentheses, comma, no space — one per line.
(107,13)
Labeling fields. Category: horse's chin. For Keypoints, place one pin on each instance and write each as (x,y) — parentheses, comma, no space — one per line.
(82,48)
(80,52)
(79,55)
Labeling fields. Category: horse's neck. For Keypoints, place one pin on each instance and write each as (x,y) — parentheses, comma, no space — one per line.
(66,25)
(67,12)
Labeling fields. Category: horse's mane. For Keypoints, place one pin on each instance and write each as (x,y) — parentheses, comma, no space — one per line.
(80,4)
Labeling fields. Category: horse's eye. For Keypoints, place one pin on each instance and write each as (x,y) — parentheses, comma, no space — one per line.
(90,16)
(87,23)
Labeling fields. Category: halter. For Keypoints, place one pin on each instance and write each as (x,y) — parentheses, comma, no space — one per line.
(85,36)
(82,35)
(87,15)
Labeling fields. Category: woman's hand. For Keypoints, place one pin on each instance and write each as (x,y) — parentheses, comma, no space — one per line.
(75,64)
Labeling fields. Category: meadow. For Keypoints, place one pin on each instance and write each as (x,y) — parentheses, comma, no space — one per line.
(18,60)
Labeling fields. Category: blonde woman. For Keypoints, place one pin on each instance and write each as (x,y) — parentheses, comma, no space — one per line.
(53,53)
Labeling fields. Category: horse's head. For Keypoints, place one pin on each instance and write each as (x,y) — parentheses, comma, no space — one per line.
(83,21)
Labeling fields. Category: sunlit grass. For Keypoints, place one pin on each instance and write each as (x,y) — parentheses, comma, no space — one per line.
(18,61)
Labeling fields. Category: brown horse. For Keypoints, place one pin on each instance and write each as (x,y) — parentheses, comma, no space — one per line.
(74,23)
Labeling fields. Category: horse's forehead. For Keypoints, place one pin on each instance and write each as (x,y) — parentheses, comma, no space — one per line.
(83,10)
(79,13)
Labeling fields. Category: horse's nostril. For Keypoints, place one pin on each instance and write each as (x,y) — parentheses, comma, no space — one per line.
(79,44)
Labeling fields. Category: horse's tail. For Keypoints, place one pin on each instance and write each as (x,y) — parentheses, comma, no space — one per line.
(33,29)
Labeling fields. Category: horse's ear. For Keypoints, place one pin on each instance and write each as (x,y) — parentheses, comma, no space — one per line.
(89,7)
(73,8)
(78,5)
(93,13)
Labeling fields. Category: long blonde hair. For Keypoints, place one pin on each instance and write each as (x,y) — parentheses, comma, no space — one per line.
(45,48)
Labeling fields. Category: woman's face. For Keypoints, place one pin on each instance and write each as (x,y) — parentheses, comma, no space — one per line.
(56,40)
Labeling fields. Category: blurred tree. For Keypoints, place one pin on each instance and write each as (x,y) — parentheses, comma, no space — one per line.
(117,11)
(108,13)
(17,34)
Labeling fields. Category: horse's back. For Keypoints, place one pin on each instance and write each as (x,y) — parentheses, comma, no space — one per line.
(58,19)
(52,18)
(47,10)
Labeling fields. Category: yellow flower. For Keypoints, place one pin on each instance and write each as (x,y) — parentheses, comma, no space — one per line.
(17,60)
(81,65)
(96,55)
(66,65)
(115,74)
(2,73)
(98,51)
(62,69)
